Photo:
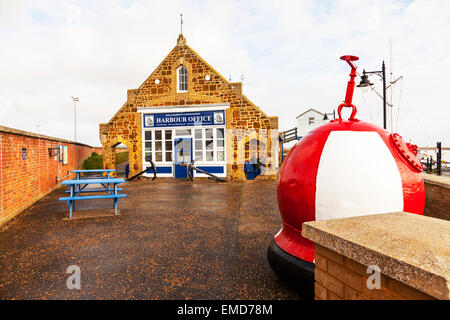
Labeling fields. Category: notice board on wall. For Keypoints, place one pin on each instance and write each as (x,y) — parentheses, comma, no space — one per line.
(63,154)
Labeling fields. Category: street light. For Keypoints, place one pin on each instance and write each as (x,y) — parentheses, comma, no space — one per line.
(325,116)
(75,99)
(365,82)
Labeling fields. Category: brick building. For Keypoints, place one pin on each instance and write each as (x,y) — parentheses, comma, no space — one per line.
(184,111)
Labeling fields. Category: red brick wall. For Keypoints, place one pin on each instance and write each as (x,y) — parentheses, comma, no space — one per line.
(340,278)
(98,150)
(23,182)
(437,199)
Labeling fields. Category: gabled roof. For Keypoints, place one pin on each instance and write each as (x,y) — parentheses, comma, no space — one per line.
(311,109)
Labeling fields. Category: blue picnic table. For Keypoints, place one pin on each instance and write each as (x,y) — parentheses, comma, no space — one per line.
(78,186)
(79,172)
(85,177)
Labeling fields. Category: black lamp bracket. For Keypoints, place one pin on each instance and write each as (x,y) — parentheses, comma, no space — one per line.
(53,151)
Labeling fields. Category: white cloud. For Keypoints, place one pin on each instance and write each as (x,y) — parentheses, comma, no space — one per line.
(288,52)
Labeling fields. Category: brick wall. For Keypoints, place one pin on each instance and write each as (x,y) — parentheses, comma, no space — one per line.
(437,196)
(340,278)
(23,182)
(99,150)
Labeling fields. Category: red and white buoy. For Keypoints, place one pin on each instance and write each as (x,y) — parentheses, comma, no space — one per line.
(342,169)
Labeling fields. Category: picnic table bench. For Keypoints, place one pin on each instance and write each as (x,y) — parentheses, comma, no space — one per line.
(78,186)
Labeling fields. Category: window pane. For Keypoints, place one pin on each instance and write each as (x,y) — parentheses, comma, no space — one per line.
(220,143)
(168,134)
(158,135)
(183,132)
(182,78)
(209,155)
(187,150)
(179,150)
(148,146)
(148,155)
(221,156)
(220,133)
(168,145)
(198,133)
(168,156)
(158,145)
(209,133)
(158,156)
(209,145)
(148,135)
(199,156)
(198,145)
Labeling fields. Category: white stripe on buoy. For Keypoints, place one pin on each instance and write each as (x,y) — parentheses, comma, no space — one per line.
(357,175)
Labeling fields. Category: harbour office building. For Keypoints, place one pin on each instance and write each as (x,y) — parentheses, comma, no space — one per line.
(185,111)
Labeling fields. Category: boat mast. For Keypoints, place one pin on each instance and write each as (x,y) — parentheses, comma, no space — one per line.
(392,87)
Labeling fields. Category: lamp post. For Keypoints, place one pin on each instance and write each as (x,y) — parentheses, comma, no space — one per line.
(325,115)
(365,82)
(75,99)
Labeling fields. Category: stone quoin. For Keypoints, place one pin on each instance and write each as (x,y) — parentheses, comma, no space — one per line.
(185,110)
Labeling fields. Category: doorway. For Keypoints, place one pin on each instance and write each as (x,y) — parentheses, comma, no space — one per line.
(183,156)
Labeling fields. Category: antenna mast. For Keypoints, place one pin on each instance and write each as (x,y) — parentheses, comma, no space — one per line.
(181,23)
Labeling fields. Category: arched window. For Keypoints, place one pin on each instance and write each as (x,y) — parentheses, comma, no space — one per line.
(182,77)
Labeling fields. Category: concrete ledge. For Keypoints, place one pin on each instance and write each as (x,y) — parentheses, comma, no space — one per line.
(442,181)
(412,249)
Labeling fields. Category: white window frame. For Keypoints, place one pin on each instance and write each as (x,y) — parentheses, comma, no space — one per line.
(163,142)
(186,108)
(178,78)
(215,148)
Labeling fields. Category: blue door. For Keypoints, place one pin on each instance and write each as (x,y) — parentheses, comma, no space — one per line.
(183,156)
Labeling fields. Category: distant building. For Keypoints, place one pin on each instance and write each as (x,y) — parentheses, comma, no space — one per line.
(309,120)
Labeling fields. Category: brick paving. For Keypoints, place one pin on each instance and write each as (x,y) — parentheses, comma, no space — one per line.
(172,240)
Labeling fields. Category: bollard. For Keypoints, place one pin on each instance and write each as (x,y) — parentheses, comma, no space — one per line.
(438,158)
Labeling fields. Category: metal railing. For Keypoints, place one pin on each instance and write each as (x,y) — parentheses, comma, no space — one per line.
(289,135)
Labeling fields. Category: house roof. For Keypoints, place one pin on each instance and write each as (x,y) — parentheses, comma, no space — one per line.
(310,109)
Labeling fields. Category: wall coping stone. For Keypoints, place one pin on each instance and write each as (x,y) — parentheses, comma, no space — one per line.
(40,136)
(442,181)
(410,248)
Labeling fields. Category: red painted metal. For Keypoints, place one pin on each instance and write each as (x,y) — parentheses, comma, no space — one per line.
(350,88)
(296,190)
(296,187)
(408,151)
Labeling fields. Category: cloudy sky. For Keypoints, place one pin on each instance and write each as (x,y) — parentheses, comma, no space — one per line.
(287,51)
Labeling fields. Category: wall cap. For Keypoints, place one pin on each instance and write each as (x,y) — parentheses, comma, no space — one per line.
(442,181)
(40,136)
(407,247)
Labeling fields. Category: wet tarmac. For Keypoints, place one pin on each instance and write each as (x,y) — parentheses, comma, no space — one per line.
(172,240)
